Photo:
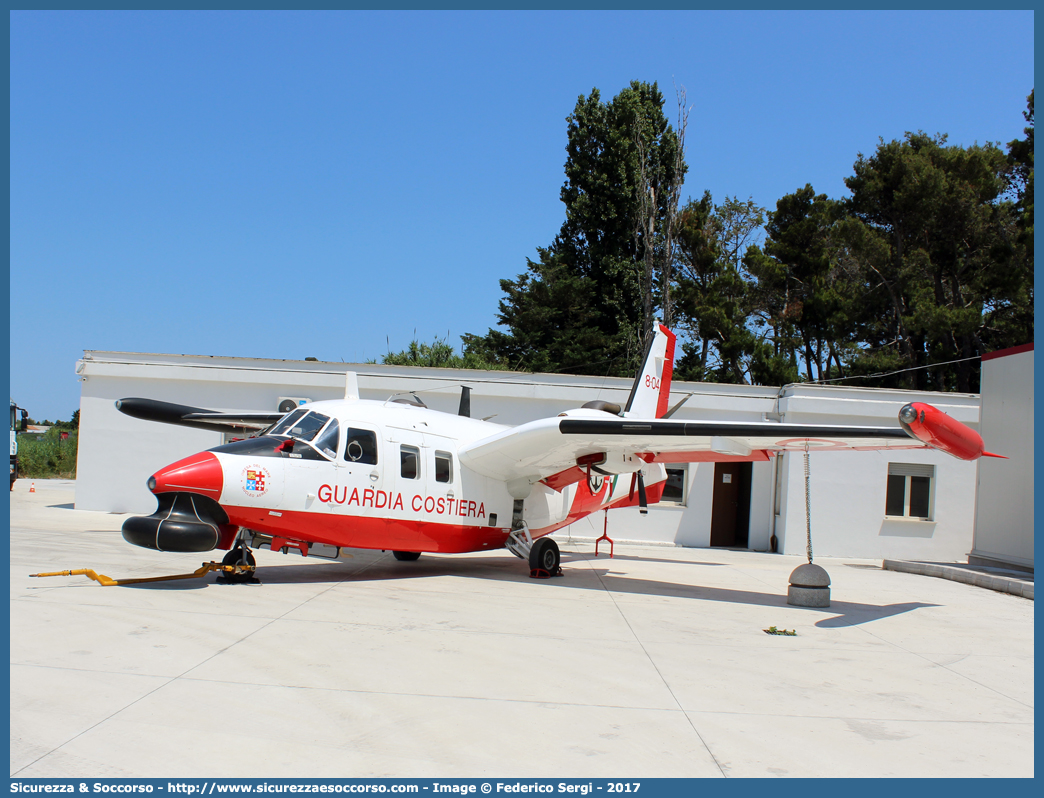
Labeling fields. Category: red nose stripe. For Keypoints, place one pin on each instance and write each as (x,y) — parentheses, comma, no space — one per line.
(200,473)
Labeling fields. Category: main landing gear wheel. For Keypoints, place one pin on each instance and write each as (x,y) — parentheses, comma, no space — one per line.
(544,559)
(238,556)
(406,556)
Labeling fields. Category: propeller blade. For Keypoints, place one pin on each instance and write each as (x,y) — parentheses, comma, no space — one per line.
(643,503)
(634,479)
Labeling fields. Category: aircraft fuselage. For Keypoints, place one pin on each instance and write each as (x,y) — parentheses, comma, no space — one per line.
(392,480)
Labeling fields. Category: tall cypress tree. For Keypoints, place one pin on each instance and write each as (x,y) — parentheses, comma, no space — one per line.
(579,307)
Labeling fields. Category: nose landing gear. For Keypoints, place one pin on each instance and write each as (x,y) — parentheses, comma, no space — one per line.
(239,555)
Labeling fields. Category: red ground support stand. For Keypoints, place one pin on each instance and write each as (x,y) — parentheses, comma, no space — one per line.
(605,536)
(540,573)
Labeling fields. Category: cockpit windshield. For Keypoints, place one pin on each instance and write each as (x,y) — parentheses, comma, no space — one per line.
(286,422)
(318,438)
(301,424)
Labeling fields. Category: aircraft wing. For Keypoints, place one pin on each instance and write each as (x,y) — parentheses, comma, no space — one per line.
(196,417)
(548,447)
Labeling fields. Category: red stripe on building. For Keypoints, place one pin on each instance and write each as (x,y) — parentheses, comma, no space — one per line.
(1014,350)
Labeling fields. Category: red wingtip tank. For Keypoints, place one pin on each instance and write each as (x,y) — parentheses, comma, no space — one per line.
(940,431)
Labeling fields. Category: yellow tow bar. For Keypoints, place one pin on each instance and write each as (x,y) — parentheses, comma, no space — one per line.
(105,581)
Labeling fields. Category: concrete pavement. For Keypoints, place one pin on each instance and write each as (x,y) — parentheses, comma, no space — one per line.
(652,664)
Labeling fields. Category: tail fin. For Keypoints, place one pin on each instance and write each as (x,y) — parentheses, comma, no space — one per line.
(652,386)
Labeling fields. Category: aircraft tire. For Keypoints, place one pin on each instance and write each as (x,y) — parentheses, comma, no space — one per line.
(545,556)
(406,556)
(238,556)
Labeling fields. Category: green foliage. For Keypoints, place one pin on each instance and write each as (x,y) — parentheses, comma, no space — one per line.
(73,423)
(927,266)
(942,281)
(1020,163)
(715,294)
(45,456)
(1020,183)
(927,263)
(553,324)
(802,291)
(439,354)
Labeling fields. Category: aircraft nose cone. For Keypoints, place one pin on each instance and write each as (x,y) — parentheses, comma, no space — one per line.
(200,473)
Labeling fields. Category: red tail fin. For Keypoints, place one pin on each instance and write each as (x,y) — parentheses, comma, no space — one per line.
(652,387)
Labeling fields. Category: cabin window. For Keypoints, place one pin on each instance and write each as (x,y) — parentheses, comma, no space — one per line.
(675,486)
(443,467)
(360,446)
(409,462)
(909,493)
(328,439)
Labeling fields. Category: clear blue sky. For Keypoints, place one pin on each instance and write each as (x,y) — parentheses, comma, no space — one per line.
(285,185)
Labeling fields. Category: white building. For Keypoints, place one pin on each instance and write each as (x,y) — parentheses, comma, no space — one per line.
(907,504)
(1004,507)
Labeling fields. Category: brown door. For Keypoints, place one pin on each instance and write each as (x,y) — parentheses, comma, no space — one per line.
(725,504)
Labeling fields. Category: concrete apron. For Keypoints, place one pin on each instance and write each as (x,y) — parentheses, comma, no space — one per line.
(652,664)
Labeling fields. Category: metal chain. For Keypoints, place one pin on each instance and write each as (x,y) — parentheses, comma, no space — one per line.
(808,508)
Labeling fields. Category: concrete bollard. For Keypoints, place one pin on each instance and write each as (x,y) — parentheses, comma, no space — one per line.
(809,587)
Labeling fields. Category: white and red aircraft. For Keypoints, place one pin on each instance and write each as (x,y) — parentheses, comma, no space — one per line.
(398,476)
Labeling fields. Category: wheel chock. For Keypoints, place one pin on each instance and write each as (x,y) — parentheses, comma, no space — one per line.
(541,573)
(228,574)
(106,581)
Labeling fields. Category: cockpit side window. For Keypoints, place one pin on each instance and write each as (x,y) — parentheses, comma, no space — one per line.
(360,446)
(327,440)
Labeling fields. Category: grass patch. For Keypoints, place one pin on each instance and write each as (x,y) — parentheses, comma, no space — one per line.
(47,456)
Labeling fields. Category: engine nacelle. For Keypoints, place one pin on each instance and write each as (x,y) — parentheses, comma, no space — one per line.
(183,522)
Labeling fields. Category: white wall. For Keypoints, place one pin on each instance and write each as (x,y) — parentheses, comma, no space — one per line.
(847,499)
(848,488)
(1004,512)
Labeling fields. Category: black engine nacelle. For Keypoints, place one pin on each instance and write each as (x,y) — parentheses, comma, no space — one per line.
(183,522)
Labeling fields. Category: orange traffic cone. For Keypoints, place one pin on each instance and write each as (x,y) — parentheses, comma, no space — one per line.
(32,487)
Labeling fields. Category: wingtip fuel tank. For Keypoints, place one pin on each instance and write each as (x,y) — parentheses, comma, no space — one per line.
(932,426)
